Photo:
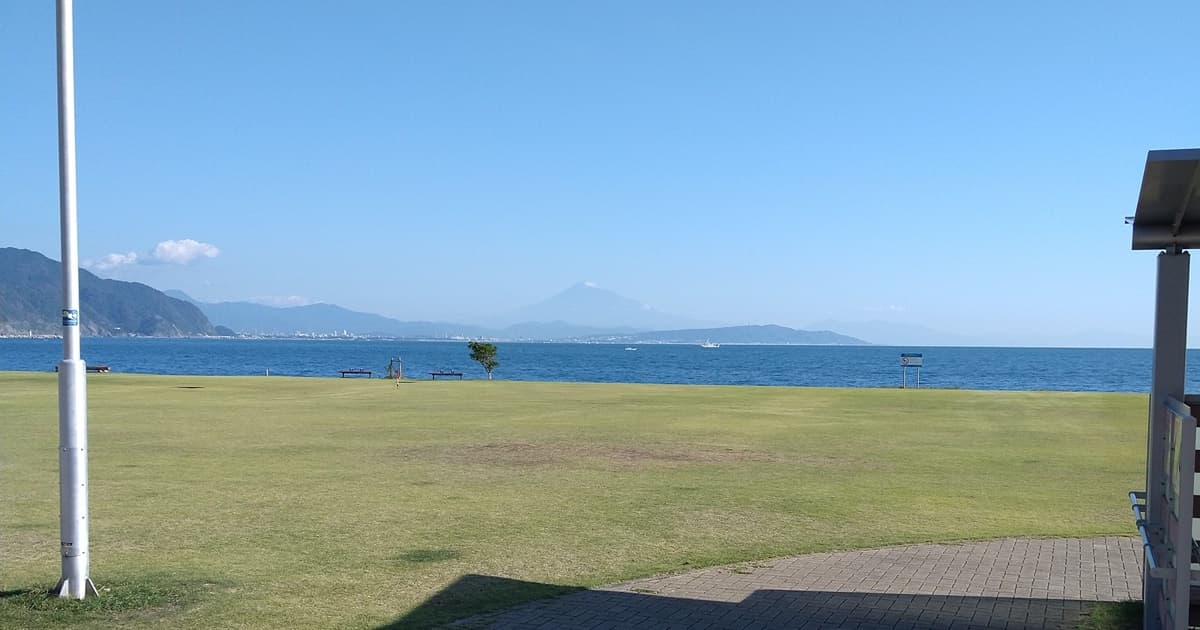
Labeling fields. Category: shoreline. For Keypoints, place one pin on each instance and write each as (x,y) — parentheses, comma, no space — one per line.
(383,377)
(573,343)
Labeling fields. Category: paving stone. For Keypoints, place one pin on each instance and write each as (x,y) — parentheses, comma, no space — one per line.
(1011,584)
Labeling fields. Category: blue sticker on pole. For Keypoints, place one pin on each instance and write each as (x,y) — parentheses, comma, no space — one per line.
(70,317)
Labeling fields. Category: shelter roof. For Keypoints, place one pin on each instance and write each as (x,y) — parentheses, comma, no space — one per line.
(1168,208)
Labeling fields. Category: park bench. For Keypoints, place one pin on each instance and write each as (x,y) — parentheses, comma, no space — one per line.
(99,369)
(355,372)
(434,375)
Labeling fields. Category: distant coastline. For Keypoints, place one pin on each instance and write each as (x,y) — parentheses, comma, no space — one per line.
(567,341)
(417,339)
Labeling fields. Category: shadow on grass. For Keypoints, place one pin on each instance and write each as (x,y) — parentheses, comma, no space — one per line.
(475,594)
(16,593)
(479,601)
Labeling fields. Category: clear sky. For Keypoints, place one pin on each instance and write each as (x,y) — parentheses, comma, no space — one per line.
(957,164)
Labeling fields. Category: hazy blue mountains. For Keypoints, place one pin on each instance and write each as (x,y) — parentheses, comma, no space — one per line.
(586,305)
(615,318)
(897,333)
(583,312)
(31,302)
(259,319)
(764,334)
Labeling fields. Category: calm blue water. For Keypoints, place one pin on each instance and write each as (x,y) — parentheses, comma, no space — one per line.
(1118,370)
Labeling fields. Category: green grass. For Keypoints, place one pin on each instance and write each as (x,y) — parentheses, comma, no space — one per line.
(287,502)
(147,597)
(1112,616)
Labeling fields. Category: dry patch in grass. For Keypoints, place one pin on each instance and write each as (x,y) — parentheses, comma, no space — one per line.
(519,454)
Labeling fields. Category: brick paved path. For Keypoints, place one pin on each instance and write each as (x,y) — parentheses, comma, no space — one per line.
(1015,583)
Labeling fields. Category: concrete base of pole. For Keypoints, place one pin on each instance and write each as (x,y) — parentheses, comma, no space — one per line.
(76,580)
(77,590)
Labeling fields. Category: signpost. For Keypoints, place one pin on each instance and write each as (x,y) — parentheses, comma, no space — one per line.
(910,360)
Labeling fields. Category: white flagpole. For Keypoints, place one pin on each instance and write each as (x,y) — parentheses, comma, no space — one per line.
(76,582)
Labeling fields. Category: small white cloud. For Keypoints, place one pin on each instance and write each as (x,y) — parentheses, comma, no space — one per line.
(890,308)
(281,301)
(183,251)
(180,252)
(591,285)
(112,261)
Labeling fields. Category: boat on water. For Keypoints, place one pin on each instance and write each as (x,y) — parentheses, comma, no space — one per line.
(709,344)
(631,349)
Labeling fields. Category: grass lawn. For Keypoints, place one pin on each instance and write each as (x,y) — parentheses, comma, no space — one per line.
(1113,616)
(289,502)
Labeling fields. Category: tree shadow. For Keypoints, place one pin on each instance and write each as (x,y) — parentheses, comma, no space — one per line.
(573,607)
(14,593)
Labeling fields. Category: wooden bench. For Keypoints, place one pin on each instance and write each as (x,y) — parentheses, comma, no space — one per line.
(98,369)
(356,372)
(434,375)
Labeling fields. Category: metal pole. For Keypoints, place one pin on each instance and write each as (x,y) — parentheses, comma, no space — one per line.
(918,377)
(903,377)
(1167,381)
(76,580)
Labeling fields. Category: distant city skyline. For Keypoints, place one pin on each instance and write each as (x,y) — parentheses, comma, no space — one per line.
(964,168)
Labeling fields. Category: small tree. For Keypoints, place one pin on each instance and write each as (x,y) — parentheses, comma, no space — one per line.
(485,355)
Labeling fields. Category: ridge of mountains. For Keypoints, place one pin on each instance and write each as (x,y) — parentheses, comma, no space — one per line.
(587,305)
(30,304)
(753,334)
(260,319)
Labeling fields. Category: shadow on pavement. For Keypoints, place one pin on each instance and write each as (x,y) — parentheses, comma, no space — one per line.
(767,609)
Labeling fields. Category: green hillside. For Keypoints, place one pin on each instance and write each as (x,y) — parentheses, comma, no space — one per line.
(30,302)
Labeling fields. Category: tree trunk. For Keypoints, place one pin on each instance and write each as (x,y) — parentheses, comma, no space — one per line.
(489,375)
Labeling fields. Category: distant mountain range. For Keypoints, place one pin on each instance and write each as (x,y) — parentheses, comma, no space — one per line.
(587,305)
(31,303)
(251,318)
(259,319)
(768,334)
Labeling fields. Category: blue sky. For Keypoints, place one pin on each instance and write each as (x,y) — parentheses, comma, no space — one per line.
(965,166)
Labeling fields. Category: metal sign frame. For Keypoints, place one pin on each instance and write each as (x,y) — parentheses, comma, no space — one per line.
(910,360)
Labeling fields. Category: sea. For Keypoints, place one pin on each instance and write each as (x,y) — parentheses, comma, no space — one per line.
(1059,369)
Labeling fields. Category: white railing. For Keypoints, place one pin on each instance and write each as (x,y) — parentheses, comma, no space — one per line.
(1164,520)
